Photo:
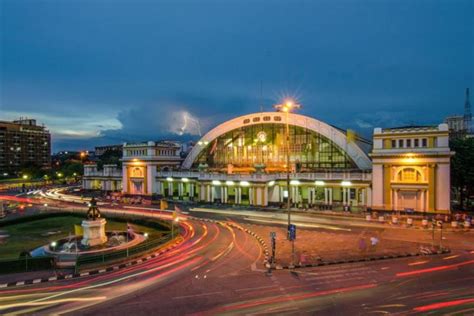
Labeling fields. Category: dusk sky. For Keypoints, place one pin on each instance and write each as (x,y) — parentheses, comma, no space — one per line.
(105,72)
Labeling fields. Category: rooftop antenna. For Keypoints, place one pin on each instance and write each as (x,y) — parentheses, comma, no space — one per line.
(467,113)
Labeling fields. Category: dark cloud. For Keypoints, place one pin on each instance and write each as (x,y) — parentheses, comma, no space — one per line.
(100,72)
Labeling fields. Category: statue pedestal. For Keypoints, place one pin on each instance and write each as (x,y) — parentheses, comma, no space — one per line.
(94,232)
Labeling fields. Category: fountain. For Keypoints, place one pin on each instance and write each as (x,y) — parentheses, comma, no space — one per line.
(93,227)
(94,240)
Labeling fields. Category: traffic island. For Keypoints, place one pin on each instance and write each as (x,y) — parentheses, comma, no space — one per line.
(322,247)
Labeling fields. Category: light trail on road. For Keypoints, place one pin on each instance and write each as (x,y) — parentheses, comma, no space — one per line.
(212,271)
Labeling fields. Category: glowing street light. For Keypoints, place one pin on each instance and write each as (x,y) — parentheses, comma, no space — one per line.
(287,106)
(25,176)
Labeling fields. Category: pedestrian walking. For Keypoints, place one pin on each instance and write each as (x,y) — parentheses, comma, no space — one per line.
(373,242)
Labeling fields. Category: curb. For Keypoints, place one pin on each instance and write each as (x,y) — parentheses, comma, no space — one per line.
(92,272)
(368,259)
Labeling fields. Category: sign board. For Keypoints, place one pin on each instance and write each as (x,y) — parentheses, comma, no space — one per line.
(291,232)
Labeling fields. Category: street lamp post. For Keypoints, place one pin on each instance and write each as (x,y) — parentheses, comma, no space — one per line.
(286,107)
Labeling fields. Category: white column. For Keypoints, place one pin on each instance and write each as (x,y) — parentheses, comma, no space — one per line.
(151,179)
(326,196)
(124,179)
(330,196)
(282,193)
(344,201)
(377,186)
(294,194)
(213,193)
(251,202)
(443,187)
(208,193)
(238,195)
(170,188)
(180,189)
(265,196)
(191,189)
(222,194)
(362,196)
(159,188)
(202,193)
(258,195)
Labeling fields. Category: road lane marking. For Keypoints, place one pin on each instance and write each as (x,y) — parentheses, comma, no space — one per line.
(450,257)
(416,263)
(197,295)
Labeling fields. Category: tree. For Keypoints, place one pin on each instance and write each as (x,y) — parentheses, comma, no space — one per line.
(462,169)
(110,157)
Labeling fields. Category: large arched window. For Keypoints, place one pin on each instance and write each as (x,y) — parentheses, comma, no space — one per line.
(265,144)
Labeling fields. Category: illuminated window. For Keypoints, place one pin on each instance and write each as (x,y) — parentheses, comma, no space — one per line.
(246,121)
(267,118)
(265,144)
(256,119)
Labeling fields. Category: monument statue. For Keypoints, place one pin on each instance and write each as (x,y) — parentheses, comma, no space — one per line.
(93,227)
(93,213)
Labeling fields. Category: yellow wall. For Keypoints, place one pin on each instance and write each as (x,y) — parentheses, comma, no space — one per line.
(432,187)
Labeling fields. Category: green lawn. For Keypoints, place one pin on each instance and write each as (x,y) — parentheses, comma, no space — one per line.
(29,235)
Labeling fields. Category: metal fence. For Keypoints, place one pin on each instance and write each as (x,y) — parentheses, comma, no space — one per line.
(26,264)
(106,258)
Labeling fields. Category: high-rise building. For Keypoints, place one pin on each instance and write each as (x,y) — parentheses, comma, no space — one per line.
(23,143)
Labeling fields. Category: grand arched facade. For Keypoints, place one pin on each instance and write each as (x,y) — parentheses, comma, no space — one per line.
(244,161)
(245,131)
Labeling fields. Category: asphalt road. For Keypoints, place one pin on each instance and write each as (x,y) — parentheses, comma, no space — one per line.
(218,270)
